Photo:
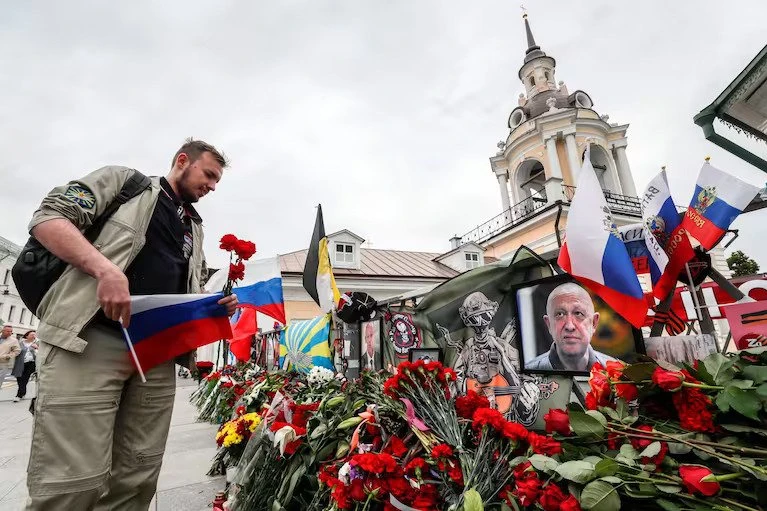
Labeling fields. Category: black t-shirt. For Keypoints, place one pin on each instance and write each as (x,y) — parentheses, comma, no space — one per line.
(162,265)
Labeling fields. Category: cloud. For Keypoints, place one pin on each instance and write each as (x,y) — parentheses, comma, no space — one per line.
(386,113)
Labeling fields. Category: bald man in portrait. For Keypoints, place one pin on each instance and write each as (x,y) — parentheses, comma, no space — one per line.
(571,320)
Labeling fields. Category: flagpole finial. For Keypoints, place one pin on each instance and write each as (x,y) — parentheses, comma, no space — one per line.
(524,12)
(663,168)
(708,159)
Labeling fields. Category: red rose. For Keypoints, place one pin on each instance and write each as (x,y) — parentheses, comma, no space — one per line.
(626,390)
(658,458)
(228,242)
(641,443)
(667,380)
(527,490)
(570,504)
(615,369)
(600,388)
(236,271)
(543,444)
(558,421)
(245,249)
(551,498)
(691,477)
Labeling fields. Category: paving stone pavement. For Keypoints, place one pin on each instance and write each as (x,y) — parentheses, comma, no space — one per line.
(183,485)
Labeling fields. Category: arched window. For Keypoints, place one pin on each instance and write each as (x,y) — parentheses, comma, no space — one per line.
(532,81)
(547,76)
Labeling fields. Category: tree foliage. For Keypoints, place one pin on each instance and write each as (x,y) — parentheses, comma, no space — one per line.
(741,264)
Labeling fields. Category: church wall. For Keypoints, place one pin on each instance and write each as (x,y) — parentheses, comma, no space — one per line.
(516,239)
(564,162)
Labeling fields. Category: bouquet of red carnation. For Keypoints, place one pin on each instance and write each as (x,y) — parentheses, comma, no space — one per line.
(239,251)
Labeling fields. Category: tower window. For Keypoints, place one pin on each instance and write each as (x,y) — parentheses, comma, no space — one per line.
(532,81)
(547,76)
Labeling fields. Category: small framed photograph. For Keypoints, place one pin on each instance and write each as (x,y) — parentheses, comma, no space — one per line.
(426,354)
(371,357)
(565,329)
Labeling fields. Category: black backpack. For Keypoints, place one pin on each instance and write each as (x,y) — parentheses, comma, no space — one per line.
(37,269)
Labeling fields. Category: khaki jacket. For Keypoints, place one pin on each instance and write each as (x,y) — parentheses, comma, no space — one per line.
(9,347)
(71,302)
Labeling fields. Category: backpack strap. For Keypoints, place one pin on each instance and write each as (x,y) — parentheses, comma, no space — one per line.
(133,186)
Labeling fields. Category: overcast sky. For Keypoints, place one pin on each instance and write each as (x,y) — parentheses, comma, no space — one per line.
(385,112)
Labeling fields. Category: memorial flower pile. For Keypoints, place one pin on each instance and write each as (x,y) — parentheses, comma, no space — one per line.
(648,437)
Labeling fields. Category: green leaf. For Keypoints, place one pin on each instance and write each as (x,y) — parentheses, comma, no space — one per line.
(622,408)
(762,390)
(585,425)
(739,428)
(543,463)
(600,496)
(628,451)
(668,505)
(719,367)
(609,412)
(577,471)
(651,450)
(593,459)
(668,488)
(606,467)
(472,501)
(598,416)
(702,374)
(639,372)
(744,402)
(742,384)
(611,479)
(629,420)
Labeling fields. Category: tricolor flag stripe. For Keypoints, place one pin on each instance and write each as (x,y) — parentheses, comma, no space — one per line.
(165,326)
(180,339)
(718,200)
(146,323)
(719,212)
(594,252)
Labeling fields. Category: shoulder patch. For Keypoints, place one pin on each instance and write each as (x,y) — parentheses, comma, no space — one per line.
(81,196)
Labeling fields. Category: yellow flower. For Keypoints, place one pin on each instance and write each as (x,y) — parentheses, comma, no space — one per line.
(254,418)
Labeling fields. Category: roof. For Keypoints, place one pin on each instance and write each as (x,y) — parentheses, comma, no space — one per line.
(460,247)
(9,246)
(377,263)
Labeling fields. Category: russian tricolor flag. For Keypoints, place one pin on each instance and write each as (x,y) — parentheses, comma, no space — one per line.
(717,201)
(594,252)
(666,239)
(260,290)
(163,327)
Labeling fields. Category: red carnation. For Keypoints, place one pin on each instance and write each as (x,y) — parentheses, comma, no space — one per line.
(441,451)
(466,405)
(544,444)
(236,271)
(416,467)
(692,476)
(693,407)
(558,421)
(245,249)
(240,410)
(228,242)
(667,380)
(551,498)
(515,431)
(396,447)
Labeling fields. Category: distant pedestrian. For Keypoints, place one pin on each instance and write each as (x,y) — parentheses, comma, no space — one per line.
(25,363)
(9,348)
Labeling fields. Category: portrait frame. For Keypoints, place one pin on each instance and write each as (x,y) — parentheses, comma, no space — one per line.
(434,354)
(613,336)
(374,328)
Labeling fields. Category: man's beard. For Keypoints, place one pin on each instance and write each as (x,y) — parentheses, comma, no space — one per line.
(185,194)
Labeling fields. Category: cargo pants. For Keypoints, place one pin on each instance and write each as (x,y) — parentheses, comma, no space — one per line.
(99,432)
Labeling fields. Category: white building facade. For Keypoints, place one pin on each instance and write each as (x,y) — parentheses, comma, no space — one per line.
(12,310)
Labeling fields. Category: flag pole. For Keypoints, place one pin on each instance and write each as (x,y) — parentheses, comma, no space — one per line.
(693,293)
(133,352)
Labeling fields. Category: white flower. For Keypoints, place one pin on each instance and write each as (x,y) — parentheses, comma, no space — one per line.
(344,473)
(283,437)
(318,376)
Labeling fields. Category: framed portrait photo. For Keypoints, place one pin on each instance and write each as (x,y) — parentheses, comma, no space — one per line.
(371,358)
(426,354)
(565,329)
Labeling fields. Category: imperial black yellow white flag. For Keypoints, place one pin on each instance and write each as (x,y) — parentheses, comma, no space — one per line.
(318,274)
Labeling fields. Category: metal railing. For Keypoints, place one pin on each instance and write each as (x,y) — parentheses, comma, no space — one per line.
(518,213)
(622,204)
(515,215)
